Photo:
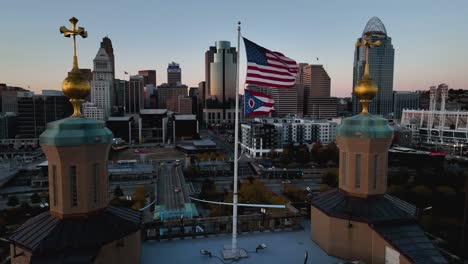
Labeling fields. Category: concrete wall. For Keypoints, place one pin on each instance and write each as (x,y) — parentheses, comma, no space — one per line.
(126,250)
(358,242)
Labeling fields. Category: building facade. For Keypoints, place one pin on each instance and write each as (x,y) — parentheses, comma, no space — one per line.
(381,62)
(35,111)
(288,130)
(102,85)
(404,100)
(174,74)
(149,77)
(135,96)
(167,92)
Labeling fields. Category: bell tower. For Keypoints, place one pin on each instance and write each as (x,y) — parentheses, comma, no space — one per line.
(364,141)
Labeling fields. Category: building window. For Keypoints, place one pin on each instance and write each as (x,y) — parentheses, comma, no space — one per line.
(358,171)
(73,187)
(95,181)
(343,171)
(54,183)
(376,167)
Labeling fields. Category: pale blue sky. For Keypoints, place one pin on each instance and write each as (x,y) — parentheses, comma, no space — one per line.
(430,37)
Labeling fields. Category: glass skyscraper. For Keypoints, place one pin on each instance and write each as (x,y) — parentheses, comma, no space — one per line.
(381,62)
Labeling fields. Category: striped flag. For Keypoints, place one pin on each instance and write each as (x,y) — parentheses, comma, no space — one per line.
(256,103)
(269,68)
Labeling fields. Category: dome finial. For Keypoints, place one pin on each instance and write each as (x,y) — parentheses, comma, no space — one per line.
(75,86)
(366,89)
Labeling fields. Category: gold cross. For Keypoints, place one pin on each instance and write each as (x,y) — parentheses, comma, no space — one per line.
(74,32)
(367,42)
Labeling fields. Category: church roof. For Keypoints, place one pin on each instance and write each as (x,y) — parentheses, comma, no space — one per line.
(365,126)
(392,218)
(54,240)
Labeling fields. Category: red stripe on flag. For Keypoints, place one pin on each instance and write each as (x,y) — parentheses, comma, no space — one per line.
(255,68)
(290,79)
(272,85)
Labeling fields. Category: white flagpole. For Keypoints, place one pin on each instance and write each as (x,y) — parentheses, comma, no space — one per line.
(236,154)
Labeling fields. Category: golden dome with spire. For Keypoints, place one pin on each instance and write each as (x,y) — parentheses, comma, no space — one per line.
(366,89)
(75,86)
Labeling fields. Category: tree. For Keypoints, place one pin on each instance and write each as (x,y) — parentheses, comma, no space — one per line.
(13,201)
(303,155)
(118,192)
(35,198)
(330,178)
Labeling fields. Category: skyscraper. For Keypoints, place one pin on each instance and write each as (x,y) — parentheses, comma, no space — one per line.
(174,74)
(316,96)
(106,43)
(135,96)
(149,77)
(222,83)
(209,58)
(381,62)
(102,85)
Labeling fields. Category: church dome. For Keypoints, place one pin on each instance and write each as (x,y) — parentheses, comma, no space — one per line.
(375,26)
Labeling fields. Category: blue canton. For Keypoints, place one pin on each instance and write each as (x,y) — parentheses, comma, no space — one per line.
(255,53)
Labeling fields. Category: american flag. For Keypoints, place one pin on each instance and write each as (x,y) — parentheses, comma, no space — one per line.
(269,68)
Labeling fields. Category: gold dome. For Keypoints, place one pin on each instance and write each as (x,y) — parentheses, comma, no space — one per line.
(76,86)
(366,90)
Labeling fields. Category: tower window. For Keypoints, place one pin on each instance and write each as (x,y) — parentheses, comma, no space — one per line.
(54,183)
(73,187)
(358,171)
(95,181)
(376,167)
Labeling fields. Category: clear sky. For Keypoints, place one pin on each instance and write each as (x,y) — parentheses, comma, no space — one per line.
(429,36)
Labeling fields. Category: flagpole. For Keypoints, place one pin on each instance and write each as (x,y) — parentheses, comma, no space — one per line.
(236,150)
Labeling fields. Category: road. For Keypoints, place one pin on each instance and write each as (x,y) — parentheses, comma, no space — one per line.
(275,185)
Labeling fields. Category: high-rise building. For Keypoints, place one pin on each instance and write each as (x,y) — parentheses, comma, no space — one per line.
(8,125)
(209,58)
(404,100)
(9,97)
(174,74)
(286,100)
(149,77)
(102,85)
(221,86)
(35,111)
(135,96)
(106,43)
(381,62)
(121,88)
(168,93)
(316,81)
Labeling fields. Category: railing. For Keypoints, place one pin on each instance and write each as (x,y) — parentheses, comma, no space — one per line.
(202,227)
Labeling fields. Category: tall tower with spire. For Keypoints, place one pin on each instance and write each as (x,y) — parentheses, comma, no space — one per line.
(358,220)
(80,227)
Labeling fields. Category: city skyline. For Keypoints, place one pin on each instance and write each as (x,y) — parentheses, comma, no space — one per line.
(323,30)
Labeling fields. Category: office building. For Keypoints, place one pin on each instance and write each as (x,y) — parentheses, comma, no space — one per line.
(121,127)
(185,105)
(167,93)
(8,125)
(91,110)
(102,85)
(287,101)
(35,111)
(106,43)
(209,58)
(316,81)
(222,85)
(322,107)
(174,74)
(149,77)
(121,92)
(9,98)
(381,62)
(404,100)
(152,126)
(184,127)
(135,96)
